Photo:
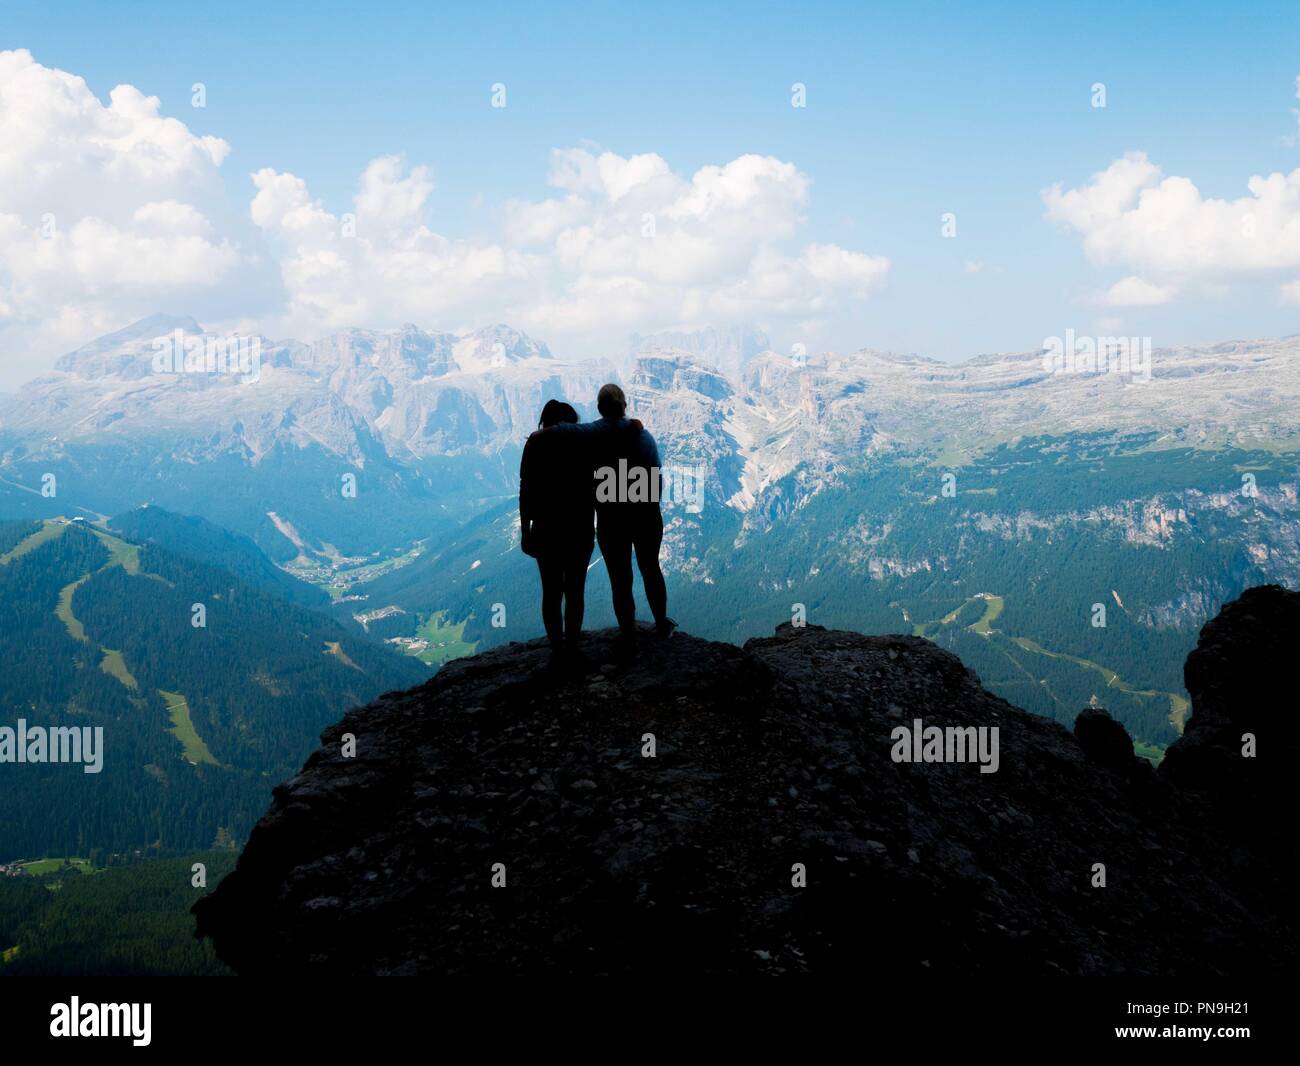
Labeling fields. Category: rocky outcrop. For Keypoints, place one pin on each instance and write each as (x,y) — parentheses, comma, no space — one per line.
(1241,678)
(705,808)
(1107,743)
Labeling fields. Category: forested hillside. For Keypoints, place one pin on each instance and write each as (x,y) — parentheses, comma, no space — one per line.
(199,720)
(130,920)
(201,541)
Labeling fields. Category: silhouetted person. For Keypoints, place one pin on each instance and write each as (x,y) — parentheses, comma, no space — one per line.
(555,519)
(625,462)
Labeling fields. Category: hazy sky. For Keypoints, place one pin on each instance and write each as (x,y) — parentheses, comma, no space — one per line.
(648,170)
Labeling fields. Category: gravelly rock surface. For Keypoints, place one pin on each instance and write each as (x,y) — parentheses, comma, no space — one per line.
(767,756)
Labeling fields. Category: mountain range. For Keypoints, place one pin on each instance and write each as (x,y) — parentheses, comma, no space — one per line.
(1066,532)
(394,406)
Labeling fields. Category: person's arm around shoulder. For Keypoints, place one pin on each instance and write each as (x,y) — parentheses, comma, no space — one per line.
(597,425)
(649,448)
(569,427)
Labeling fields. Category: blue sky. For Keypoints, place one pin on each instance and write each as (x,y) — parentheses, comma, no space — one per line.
(913,110)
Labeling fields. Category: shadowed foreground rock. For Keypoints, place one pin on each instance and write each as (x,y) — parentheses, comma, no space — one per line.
(1242,676)
(767,756)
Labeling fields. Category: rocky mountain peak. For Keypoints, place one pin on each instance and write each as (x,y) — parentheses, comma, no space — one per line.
(707,808)
(408,352)
(498,345)
(127,352)
(669,369)
(726,349)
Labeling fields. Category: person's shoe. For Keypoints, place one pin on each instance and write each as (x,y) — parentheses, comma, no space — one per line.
(665,626)
(624,646)
(575,659)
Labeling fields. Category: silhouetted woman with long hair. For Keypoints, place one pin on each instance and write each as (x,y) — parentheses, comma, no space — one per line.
(556,517)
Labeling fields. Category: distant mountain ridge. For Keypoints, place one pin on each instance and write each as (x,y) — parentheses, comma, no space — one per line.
(414,394)
(408,391)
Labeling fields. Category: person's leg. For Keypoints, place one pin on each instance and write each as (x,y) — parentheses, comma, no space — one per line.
(551,569)
(616,550)
(649,538)
(575,586)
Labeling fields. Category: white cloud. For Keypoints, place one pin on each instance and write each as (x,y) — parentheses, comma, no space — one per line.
(630,245)
(387,198)
(1131,214)
(110,211)
(384,266)
(1290,293)
(1135,292)
(282,203)
(55,133)
(100,222)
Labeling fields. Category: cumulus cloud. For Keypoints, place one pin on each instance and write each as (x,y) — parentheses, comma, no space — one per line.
(628,244)
(99,208)
(1136,292)
(1132,214)
(55,133)
(112,210)
(379,264)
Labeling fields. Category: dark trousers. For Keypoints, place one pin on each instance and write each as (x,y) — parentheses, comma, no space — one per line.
(564,578)
(618,539)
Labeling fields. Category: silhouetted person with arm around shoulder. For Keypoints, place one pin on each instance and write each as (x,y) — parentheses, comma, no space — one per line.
(625,463)
(555,521)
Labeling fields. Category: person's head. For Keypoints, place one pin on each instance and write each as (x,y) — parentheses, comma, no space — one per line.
(611,402)
(555,412)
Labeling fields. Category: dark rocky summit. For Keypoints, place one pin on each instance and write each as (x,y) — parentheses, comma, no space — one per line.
(769,756)
(1243,680)
(1107,743)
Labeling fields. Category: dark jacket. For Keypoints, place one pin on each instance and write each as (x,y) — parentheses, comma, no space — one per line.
(620,458)
(556,500)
